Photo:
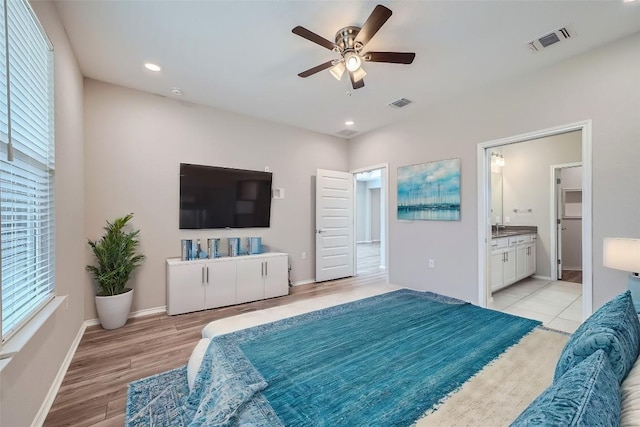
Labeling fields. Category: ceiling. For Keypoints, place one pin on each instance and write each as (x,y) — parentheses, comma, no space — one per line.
(241,56)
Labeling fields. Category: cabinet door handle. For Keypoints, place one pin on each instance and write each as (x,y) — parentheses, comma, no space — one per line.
(262,268)
(203,275)
(207,274)
(266,268)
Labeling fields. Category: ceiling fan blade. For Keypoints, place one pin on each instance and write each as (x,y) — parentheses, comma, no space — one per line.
(313,37)
(392,57)
(358,84)
(316,69)
(373,23)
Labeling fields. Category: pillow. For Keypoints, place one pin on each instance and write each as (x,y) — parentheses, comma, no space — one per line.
(587,395)
(630,398)
(614,328)
(193,366)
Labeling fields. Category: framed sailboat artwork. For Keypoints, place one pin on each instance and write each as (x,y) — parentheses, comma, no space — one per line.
(429,191)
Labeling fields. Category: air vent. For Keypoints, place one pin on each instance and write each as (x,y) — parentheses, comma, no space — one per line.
(552,38)
(402,102)
(347,132)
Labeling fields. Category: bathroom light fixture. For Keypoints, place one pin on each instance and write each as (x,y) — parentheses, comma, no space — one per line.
(624,254)
(349,123)
(497,159)
(152,67)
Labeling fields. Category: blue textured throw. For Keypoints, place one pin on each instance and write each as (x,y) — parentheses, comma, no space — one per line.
(384,360)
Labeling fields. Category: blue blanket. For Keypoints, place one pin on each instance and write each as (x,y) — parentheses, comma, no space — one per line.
(386,359)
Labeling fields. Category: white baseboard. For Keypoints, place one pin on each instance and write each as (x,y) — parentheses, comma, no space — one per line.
(303,282)
(537,276)
(139,313)
(572,268)
(41,416)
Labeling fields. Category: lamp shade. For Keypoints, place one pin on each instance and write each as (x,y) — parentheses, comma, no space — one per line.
(337,70)
(622,254)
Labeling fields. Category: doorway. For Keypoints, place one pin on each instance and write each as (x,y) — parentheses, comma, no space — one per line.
(567,199)
(371,201)
(520,208)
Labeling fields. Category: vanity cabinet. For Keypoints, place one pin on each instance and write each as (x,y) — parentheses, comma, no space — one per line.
(503,263)
(525,256)
(210,283)
(512,258)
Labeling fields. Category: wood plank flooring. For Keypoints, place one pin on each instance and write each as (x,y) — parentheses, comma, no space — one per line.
(94,389)
(574,276)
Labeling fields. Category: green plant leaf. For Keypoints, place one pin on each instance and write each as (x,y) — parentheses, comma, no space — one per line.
(116,256)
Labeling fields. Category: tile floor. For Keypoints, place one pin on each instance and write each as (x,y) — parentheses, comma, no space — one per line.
(557,304)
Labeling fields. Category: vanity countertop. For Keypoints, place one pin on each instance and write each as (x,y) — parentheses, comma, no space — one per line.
(513,230)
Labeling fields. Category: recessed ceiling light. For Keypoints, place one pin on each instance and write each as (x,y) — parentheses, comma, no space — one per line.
(349,122)
(629,1)
(152,67)
(176,91)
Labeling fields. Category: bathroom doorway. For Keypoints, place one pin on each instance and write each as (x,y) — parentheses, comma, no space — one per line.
(527,200)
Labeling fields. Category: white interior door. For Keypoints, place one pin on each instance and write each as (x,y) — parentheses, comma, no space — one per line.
(334,225)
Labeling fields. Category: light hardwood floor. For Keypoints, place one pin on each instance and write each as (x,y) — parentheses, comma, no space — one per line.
(94,390)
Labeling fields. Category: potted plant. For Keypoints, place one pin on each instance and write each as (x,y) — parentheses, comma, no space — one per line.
(116,258)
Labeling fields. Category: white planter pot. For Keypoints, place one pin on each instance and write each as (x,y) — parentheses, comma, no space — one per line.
(113,311)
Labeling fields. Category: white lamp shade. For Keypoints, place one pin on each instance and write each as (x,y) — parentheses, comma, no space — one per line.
(337,70)
(622,254)
(359,74)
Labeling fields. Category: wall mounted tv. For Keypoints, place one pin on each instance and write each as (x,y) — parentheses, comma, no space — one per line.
(216,197)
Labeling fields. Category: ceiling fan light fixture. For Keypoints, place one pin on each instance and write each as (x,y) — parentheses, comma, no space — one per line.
(359,74)
(352,61)
(338,70)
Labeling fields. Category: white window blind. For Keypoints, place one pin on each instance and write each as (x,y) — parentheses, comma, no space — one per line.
(26,166)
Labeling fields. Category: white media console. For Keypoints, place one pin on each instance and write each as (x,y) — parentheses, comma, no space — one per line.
(210,283)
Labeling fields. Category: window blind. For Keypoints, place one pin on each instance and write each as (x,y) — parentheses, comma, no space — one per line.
(27,166)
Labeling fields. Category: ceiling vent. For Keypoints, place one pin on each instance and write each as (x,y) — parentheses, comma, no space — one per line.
(402,102)
(347,132)
(552,38)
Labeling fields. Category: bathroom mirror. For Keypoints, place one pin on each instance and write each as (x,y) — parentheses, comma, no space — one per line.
(496,198)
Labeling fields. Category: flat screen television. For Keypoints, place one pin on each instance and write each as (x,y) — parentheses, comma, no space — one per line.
(217,197)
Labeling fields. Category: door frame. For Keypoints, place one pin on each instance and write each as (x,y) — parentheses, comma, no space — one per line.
(484,203)
(384,222)
(555,208)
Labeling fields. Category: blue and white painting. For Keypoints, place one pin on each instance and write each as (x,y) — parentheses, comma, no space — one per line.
(430,191)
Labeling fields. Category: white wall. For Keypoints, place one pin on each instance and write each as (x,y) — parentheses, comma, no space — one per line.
(134,143)
(29,375)
(526,183)
(602,86)
(362,211)
(374,221)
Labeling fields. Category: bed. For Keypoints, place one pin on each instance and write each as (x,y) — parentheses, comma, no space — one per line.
(494,395)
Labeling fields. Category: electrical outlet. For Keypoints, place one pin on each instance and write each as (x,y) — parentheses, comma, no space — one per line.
(303,255)
(507,219)
(432,263)
(266,168)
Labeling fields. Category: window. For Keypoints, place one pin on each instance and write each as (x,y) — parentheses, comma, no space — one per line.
(26,166)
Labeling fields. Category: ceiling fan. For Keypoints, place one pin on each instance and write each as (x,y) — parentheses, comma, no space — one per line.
(350,41)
